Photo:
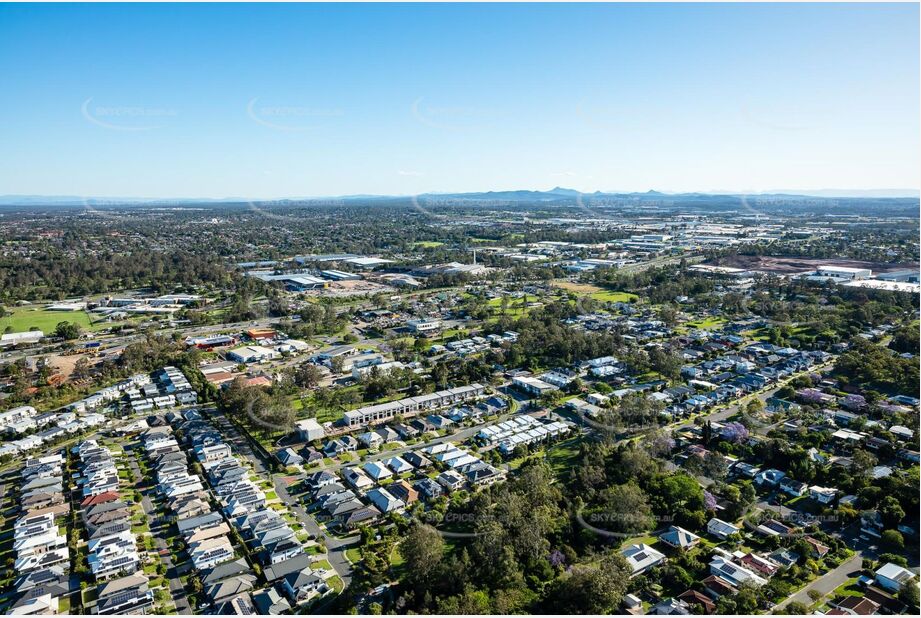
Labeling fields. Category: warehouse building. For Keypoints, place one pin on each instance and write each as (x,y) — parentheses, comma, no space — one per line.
(843,272)
(252,354)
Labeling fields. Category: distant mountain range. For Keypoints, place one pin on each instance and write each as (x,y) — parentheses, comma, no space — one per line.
(556,194)
(560,195)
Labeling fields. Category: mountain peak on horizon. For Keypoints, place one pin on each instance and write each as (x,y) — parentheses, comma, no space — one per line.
(564,191)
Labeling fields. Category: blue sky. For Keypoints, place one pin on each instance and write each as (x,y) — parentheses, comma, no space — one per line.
(306,100)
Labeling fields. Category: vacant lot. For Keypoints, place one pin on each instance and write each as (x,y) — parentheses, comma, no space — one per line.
(785,265)
(598,293)
(710,322)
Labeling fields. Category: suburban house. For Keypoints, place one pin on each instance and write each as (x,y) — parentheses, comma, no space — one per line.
(679,538)
(402,490)
(721,529)
(823,495)
(127,595)
(309,429)
(357,479)
(892,577)
(734,573)
(384,500)
(642,557)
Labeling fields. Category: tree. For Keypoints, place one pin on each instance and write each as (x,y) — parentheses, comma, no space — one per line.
(904,340)
(669,315)
(666,363)
(625,510)
(893,539)
(422,550)
(470,602)
(862,461)
(307,375)
(786,392)
(593,590)
(81,368)
(908,595)
(754,407)
(891,511)
(67,330)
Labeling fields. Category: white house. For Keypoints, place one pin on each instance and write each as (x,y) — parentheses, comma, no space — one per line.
(642,557)
(892,577)
(252,354)
(822,495)
(309,429)
(721,529)
(423,326)
(769,477)
(734,573)
(377,471)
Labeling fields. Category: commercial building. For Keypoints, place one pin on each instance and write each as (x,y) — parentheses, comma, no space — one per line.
(339,275)
(27,337)
(252,354)
(423,326)
(843,272)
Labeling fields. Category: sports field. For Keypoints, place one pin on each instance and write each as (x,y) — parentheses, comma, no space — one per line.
(25,318)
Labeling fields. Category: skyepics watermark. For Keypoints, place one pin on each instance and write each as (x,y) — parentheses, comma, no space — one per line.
(621,522)
(428,204)
(452,116)
(293,118)
(114,209)
(631,415)
(787,523)
(127,117)
(268,414)
(464,525)
(290,211)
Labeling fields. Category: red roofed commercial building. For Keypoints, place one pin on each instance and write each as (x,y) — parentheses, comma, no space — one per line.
(261,333)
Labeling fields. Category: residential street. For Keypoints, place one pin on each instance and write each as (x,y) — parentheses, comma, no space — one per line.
(176,589)
(335,547)
(826,583)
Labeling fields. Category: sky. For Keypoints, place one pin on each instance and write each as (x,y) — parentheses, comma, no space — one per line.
(271,101)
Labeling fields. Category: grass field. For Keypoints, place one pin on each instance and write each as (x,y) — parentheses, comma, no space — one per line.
(596,292)
(396,558)
(353,554)
(563,455)
(707,323)
(24,318)
(514,309)
(610,296)
(427,244)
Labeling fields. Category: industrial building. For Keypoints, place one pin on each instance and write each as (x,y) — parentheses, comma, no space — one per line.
(843,272)
(252,354)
